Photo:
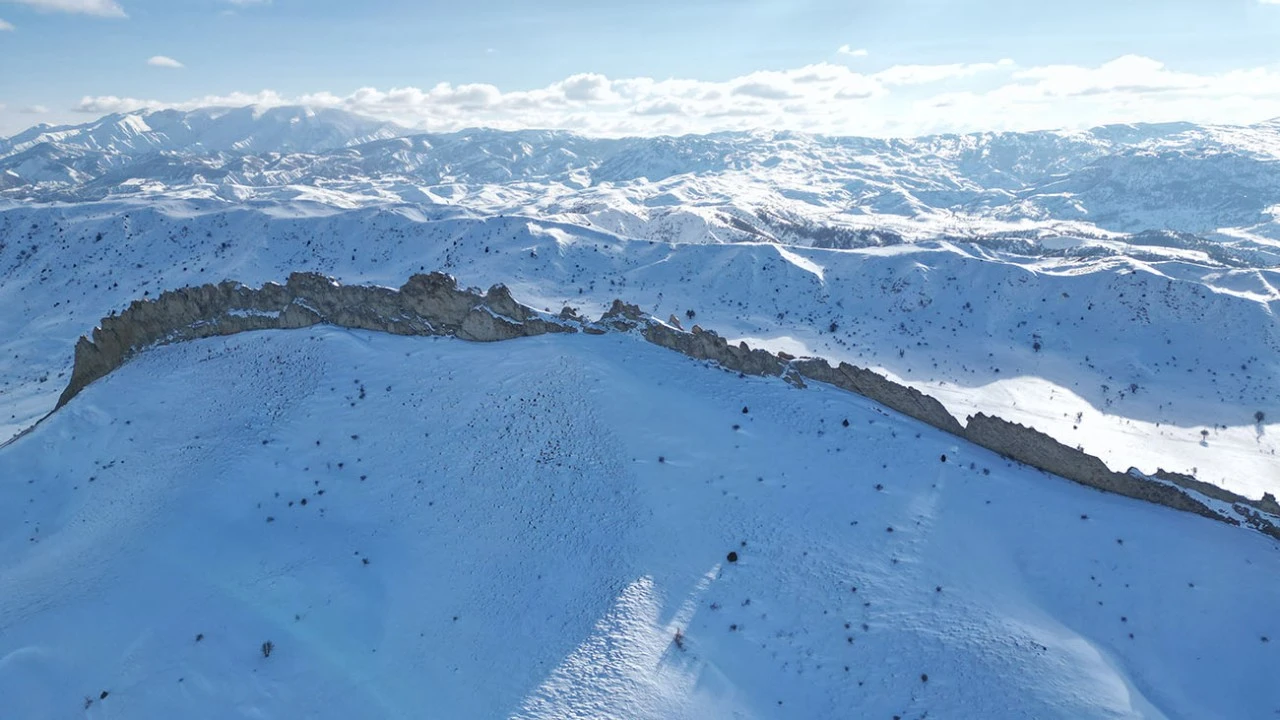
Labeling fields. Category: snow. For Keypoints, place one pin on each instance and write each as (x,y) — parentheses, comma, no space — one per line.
(1211,182)
(541,516)
(959,321)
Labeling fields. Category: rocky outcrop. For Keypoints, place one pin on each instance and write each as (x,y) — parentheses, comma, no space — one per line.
(706,345)
(906,400)
(1204,488)
(1034,448)
(433,304)
(425,305)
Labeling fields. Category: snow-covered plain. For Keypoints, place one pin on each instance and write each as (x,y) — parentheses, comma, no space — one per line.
(430,528)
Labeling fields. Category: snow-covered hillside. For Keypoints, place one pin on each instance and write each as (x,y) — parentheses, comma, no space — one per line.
(1181,182)
(1132,359)
(542,529)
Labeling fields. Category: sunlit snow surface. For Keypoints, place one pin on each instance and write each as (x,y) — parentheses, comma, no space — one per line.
(541,516)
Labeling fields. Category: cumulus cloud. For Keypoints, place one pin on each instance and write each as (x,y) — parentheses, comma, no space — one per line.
(587,87)
(925,74)
(108,104)
(163,61)
(826,98)
(660,107)
(1130,73)
(764,90)
(5,26)
(101,8)
(862,52)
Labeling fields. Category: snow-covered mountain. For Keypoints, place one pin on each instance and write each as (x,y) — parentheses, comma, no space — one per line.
(989,270)
(1181,181)
(244,130)
(1130,356)
(565,528)
(540,528)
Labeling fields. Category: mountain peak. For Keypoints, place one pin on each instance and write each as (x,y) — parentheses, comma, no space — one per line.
(250,128)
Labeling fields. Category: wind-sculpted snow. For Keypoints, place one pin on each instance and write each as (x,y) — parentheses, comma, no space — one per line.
(1097,188)
(434,305)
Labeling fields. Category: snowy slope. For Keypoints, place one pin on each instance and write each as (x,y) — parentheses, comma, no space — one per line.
(541,517)
(1136,357)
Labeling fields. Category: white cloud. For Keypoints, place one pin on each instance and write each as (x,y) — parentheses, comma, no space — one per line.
(34,110)
(862,52)
(587,87)
(5,26)
(163,61)
(926,74)
(102,8)
(826,98)
(1130,73)
(764,90)
(107,104)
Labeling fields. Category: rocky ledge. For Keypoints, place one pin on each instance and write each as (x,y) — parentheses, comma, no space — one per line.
(433,304)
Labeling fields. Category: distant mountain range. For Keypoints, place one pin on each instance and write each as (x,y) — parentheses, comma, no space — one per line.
(1210,190)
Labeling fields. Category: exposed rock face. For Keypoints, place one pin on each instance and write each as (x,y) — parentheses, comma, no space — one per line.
(433,304)
(1038,450)
(706,345)
(1204,488)
(906,400)
(425,305)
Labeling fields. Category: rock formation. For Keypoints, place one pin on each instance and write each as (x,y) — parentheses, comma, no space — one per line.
(1034,448)
(433,304)
(425,305)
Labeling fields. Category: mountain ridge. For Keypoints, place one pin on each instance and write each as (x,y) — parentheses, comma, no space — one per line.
(1137,355)
(434,305)
(1109,183)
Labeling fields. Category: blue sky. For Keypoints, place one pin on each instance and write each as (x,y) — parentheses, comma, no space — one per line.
(58,54)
